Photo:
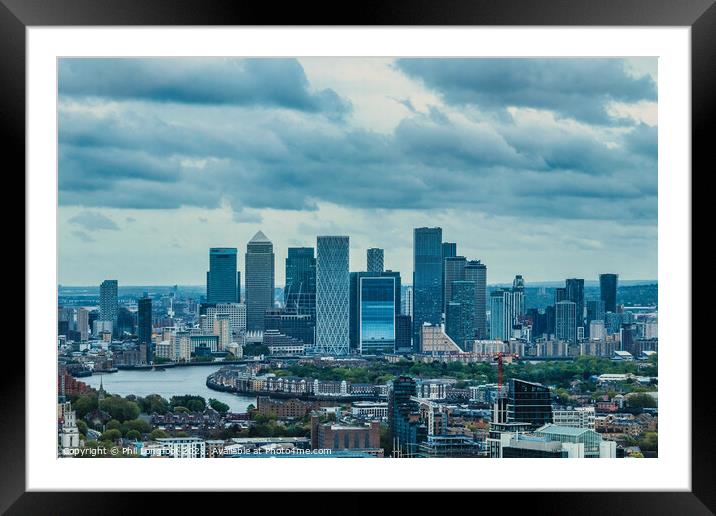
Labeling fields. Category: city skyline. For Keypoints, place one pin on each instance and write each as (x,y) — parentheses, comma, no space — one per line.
(174,163)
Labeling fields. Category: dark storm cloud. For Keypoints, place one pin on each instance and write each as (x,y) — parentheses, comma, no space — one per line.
(572,88)
(157,155)
(267,82)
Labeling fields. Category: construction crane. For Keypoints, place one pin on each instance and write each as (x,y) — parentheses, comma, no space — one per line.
(499,375)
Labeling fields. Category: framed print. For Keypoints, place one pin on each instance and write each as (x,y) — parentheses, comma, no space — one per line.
(389,253)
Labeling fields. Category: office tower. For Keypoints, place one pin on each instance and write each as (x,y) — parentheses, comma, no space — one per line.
(408,305)
(126,322)
(332,295)
(144,325)
(374,258)
(83,323)
(223,281)
(560,294)
(597,331)
(355,302)
(448,249)
(612,322)
(529,402)
(627,338)
(595,312)
(453,270)
(550,321)
(300,292)
(566,321)
(222,329)
(108,301)
(518,298)
(427,279)
(608,291)
(476,272)
(403,334)
(235,312)
(501,314)
(460,316)
(574,290)
(259,280)
(377,313)
(405,429)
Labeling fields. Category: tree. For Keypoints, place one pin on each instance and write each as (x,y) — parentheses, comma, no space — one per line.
(85,404)
(641,400)
(112,424)
(154,404)
(133,435)
(139,425)
(111,435)
(158,434)
(82,427)
(650,441)
(120,408)
(219,406)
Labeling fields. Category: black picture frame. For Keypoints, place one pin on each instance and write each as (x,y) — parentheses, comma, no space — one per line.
(700,15)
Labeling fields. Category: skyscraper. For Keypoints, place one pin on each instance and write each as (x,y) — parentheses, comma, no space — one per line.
(518,297)
(575,293)
(223,281)
(476,271)
(374,257)
(560,294)
(453,270)
(448,249)
(595,312)
(376,315)
(405,430)
(608,290)
(427,279)
(332,295)
(566,321)
(259,280)
(83,323)
(529,402)
(501,314)
(108,301)
(460,314)
(144,325)
(300,291)
(356,302)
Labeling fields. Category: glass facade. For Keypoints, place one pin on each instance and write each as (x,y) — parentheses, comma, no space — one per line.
(566,321)
(259,281)
(427,279)
(377,315)
(460,320)
(374,259)
(222,279)
(300,292)
(108,300)
(476,272)
(332,295)
(529,402)
(608,291)
(501,314)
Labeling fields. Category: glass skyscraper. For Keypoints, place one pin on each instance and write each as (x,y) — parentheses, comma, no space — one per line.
(608,291)
(108,301)
(427,279)
(575,293)
(299,294)
(377,315)
(566,321)
(374,259)
(529,402)
(518,297)
(223,281)
(453,270)
(501,314)
(449,249)
(460,315)
(144,325)
(332,295)
(259,281)
(476,272)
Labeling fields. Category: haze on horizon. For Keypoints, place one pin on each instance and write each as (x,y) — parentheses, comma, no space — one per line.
(540,167)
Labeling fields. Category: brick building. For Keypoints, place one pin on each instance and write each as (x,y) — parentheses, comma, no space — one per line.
(335,436)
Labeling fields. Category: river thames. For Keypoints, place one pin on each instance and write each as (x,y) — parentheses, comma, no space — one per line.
(174,381)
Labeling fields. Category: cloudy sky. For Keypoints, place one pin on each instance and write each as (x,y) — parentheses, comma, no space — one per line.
(540,167)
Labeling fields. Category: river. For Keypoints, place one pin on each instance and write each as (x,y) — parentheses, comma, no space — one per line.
(174,381)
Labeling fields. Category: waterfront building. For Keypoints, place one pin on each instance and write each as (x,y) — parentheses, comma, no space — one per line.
(280,344)
(144,325)
(566,321)
(374,260)
(608,291)
(203,344)
(222,329)
(235,312)
(223,280)
(332,295)
(299,326)
(528,402)
(427,279)
(108,301)
(260,281)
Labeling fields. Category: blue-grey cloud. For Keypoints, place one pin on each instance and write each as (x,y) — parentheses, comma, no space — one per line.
(93,221)
(156,155)
(84,237)
(223,81)
(574,88)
